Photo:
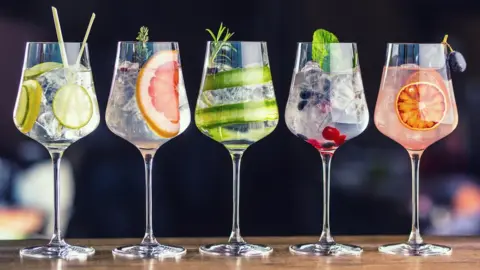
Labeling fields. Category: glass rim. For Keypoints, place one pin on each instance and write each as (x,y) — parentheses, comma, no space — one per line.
(239,41)
(148,42)
(330,43)
(411,43)
(54,42)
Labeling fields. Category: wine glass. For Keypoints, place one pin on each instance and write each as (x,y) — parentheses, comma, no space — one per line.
(326,107)
(147,107)
(416,107)
(236,107)
(56,105)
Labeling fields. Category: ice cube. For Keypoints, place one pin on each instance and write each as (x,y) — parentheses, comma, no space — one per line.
(51,81)
(131,105)
(128,66)
(312,72)
(299,83)
(49,123)
(123,87)
(357,82)
(342,92)
(356,108)
(238,94)
(127,73)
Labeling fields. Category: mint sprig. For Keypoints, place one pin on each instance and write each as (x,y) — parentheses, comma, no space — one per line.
(320,49)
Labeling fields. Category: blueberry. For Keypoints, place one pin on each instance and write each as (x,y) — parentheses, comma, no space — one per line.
(302,104)
(326,85)
(457,62)
(301,136)
(305,94)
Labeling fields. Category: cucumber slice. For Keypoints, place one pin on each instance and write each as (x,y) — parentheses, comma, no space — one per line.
(237,77)
(253,111)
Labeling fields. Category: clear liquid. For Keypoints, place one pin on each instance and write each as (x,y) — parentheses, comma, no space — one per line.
(123,115)
(237,117)
(47,130)
(334,100)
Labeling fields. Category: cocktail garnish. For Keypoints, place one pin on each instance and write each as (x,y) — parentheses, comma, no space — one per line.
(421,105)
(79,57)
(220,43)
(58,29)
(141,51)
(143,34)
(157,93)
(71,105)
(320,50)
(455,59)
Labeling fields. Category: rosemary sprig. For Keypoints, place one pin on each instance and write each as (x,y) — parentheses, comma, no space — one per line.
(219,43)
(141,52)
(143,34)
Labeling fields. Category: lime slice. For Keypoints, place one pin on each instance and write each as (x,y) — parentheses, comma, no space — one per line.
(21,111)
(28,105)
(237,77)
(253,111)
(40,69)
(72,106)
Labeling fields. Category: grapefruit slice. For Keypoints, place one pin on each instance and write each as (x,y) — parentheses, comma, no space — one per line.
(157,93)
(421,106)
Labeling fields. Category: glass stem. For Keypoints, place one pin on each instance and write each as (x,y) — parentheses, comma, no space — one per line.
(326,238)
(235,236)
(149,238)
(415,237)
(57,238)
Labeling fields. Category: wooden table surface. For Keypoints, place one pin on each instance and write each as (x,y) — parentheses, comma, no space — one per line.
(466,255)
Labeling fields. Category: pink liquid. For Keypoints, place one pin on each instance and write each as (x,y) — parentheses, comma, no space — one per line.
(387,120)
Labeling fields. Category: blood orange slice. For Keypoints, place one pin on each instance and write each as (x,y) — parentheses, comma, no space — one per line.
(421,106)
(157,93)
(426,75)
(430,76)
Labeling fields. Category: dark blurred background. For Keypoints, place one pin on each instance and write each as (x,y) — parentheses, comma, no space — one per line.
(281,189)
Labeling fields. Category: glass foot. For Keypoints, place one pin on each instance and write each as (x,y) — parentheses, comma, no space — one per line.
(64,251)
(332,249)
(149,251)
(415,250)
(236,249)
